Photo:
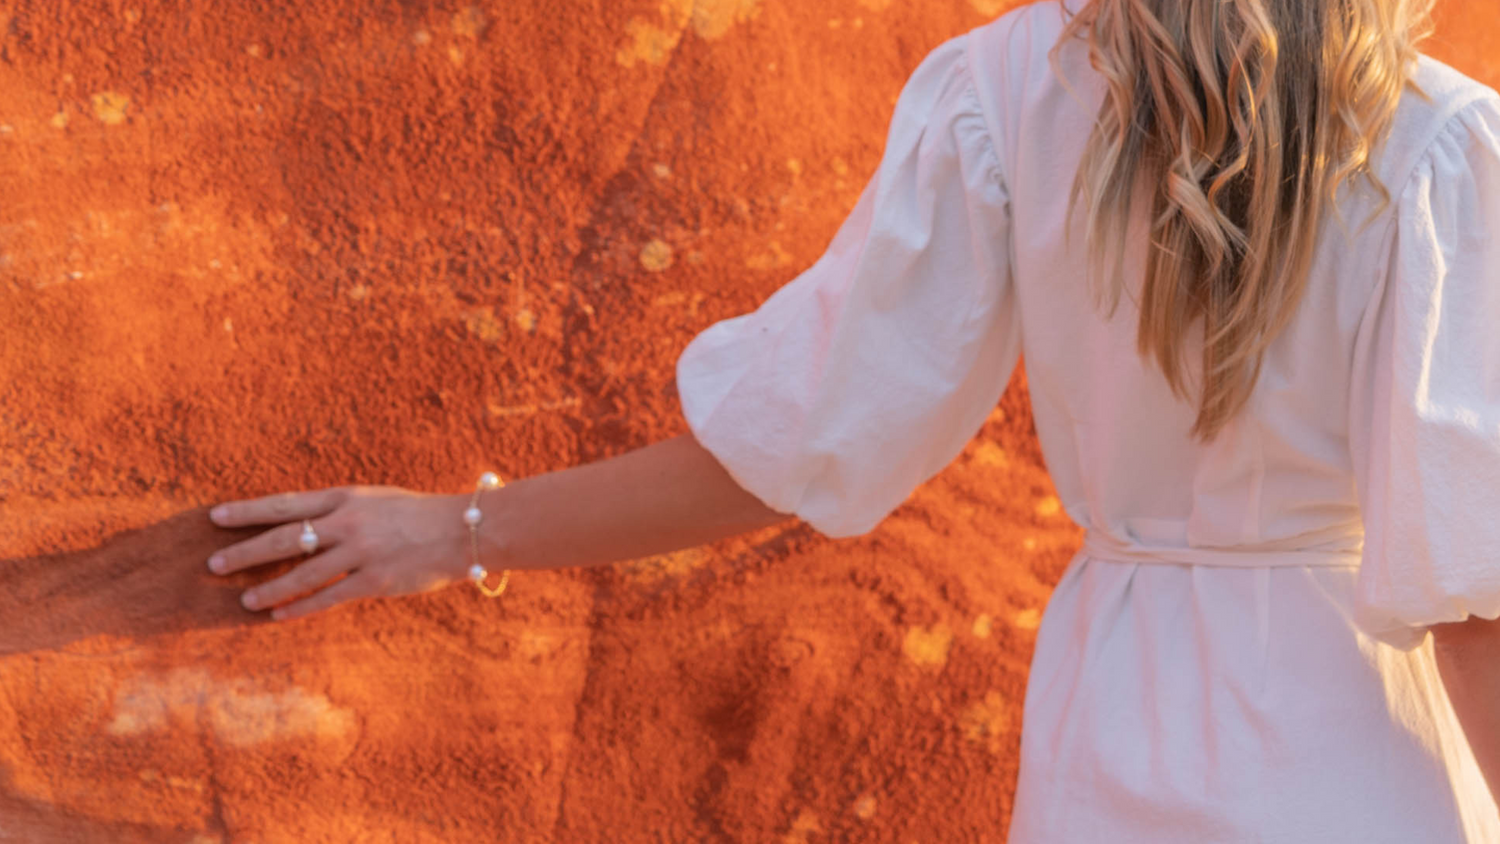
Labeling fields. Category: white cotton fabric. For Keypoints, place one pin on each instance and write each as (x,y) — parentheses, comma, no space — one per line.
(1238,652)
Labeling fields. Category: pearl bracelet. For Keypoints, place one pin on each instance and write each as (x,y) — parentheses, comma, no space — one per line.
(472,517)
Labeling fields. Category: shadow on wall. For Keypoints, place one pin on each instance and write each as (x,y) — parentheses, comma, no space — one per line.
(29,822)
(138,584)
(155,581)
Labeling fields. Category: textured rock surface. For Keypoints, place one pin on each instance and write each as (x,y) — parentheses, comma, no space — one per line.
(247,249)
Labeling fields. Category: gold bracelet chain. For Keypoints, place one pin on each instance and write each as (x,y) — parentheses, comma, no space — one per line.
(472,517)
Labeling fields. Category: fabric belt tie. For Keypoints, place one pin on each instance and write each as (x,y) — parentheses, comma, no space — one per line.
(1101,546)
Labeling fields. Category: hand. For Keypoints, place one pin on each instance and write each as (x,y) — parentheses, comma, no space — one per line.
(380,540)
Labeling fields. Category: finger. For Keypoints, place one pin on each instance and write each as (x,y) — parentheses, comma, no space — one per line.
(352,587)
(281,507)
(317,571)
(278,543)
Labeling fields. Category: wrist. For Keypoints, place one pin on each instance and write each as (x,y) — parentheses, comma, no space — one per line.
(455,535)
(491,538)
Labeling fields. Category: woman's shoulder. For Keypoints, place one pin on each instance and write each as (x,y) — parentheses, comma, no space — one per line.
(1433,104)
(1025,30)
(1011,53)
(1443,81)
(1447,91)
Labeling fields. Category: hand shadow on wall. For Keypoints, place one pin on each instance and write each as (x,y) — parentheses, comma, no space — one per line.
(137,584)
(30,821)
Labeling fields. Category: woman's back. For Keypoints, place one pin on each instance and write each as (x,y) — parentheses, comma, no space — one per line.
(1281,475)
(1229,704)
(1237,703)
(1238,651)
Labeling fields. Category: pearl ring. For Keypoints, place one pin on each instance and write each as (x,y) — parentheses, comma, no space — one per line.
(309,539)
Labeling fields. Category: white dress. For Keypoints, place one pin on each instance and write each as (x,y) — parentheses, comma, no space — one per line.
(1238,651)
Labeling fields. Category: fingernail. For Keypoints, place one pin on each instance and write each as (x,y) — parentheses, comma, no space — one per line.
(248,599)
(218,513)
(216,563)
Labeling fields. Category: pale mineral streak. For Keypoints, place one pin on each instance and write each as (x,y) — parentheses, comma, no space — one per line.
(236,710)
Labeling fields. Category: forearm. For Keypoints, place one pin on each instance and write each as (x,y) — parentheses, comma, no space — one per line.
(663,497)
(1468,658)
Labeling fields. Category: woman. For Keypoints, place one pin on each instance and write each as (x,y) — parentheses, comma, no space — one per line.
(1251,250)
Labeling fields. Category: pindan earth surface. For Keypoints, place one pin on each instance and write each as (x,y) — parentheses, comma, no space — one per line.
(249,248)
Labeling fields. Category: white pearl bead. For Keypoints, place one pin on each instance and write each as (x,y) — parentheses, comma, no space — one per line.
(477,572)
(489,480)
(472,516)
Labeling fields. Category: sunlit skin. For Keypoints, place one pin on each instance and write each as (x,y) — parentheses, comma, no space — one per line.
(372,541)
(385,541)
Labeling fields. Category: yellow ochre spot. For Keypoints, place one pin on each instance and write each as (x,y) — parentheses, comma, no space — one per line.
(795,166)
(110,106)
(864,807)
(928,647)
(991,455)
(662,171)
(421,38)
(805,823)
(526,319)
(1048,506)
(1029,543)
(713,18)
(59,120)
(656,255)
(983,625)
(469,22)
(986,721)
(649,44)
(775,257)
(456,56)
(535,644)
(990,8)
(876,5)
(481,323)
(841,167)
(255,51)
(651,41)
(1027,619)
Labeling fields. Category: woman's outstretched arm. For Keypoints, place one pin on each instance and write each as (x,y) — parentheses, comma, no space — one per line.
(1468,658)
(392,541)
(663,497)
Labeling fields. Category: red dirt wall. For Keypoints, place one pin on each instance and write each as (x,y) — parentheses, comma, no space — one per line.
(246,248)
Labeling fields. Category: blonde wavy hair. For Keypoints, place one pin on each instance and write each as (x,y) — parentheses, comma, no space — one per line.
(1239,119)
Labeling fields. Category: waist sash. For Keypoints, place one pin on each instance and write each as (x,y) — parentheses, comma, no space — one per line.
(1101,546)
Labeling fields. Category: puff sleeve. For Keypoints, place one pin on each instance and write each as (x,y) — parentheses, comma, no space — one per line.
(1425,400)
(867,373)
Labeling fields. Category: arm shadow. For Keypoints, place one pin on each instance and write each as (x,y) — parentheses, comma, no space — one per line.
(136,584)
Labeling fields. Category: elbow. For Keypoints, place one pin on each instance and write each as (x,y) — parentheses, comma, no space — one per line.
(1474,635)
